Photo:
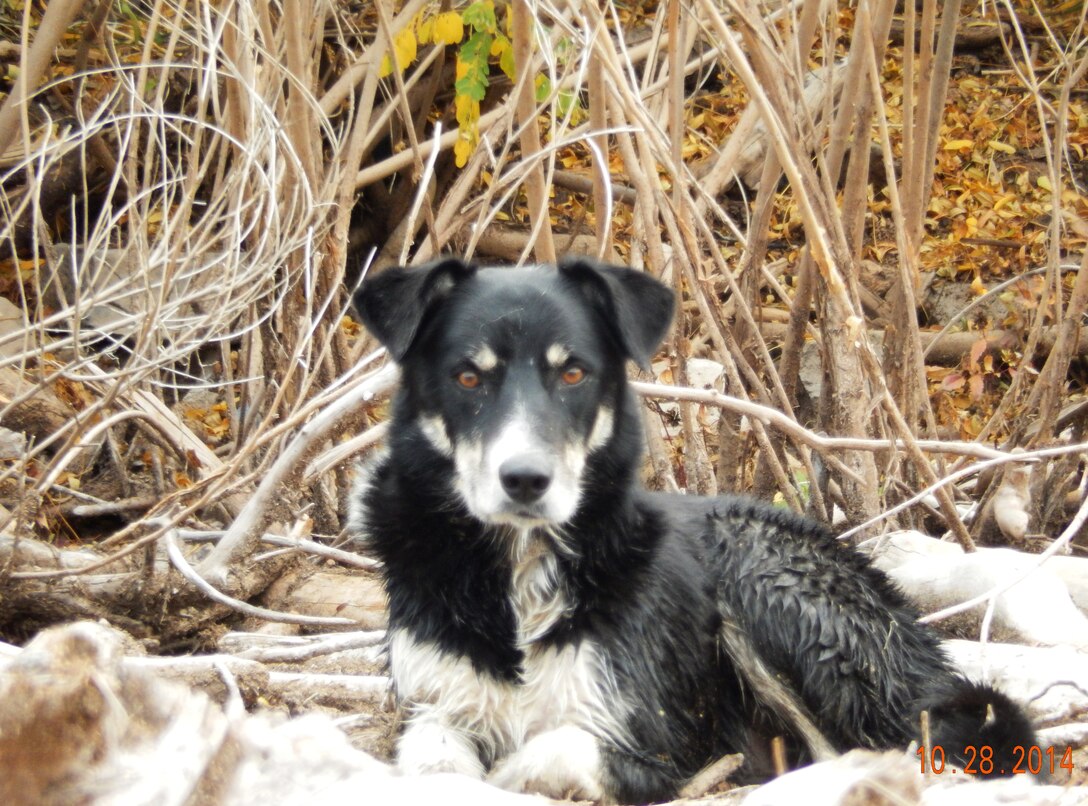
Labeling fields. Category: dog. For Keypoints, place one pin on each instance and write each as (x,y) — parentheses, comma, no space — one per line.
(556,628)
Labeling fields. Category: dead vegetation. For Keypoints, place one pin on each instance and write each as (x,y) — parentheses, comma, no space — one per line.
(880,252)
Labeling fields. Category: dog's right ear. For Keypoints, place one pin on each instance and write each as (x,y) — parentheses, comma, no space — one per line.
(394,301)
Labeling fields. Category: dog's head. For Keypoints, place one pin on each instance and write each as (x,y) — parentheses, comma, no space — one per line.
(516,374)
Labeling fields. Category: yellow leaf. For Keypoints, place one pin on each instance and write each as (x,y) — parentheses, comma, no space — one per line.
(977,287)
(1005,148)
(1044,183)
(448,28)
(468,110)
(425,30)
(958,145)
(502,48)
(462,150)
(386,67)
(404,46)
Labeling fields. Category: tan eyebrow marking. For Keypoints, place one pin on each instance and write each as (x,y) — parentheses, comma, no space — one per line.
(557,355)
(485,359)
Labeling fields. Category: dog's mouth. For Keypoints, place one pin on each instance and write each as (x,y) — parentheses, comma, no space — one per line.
(522,517)
(504,511)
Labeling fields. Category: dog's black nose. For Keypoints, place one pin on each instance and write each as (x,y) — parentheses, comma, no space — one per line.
(525,478)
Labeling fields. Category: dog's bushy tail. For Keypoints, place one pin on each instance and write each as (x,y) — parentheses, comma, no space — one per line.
(976,728)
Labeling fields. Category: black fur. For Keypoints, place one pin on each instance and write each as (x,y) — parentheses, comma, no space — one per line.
(646,578)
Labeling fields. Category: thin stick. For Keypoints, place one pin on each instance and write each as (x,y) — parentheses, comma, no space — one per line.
(301,544)
(182,565)
(241,538)
(781,421)
(535,187)
(58,15)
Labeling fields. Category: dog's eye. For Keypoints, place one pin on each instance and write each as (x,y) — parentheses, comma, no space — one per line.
(572,375)
(468,379)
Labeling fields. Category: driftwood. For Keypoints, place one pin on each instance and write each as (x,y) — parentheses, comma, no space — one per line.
(584,184)
(1051,681)
(81,723)
(973,37)
(272,648)
(1034,604)
(508,244)
(210,674)
(125,585)
(714,775)
(356,596)
(245,531)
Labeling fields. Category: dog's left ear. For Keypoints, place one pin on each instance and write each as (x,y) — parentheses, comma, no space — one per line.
(640,306)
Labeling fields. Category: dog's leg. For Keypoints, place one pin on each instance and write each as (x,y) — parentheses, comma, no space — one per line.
(771,691)
(561,763)
(429,745)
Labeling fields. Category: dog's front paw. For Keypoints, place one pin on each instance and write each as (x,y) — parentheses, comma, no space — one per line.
(428,747)
(564,763)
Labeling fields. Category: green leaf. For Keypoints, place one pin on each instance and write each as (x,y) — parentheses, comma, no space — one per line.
(566,101)
(473,67)
(543,88)
(476,48)
(480,16)
(472,87)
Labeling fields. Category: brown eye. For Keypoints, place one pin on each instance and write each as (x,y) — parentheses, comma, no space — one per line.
(572,375)
(468,379)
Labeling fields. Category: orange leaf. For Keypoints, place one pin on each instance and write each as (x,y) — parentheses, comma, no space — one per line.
(976,385)
(952,382)
(977,349)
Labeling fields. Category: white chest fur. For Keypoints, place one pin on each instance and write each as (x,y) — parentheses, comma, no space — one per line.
(569,686)
(559,687)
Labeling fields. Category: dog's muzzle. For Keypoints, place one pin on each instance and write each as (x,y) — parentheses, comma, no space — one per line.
(519,478)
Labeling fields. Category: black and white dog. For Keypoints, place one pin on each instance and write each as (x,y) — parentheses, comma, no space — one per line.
(553,627)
